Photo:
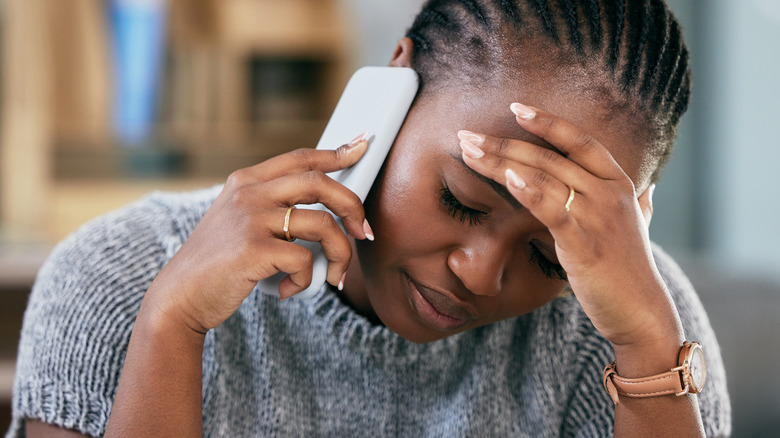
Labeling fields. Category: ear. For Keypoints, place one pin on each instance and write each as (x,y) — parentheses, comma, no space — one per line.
(402,56)
(646,203)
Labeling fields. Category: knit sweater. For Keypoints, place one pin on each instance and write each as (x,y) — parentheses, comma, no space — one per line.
(315,367)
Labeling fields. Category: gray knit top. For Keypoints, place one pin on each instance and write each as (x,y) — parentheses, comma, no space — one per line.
(315,367)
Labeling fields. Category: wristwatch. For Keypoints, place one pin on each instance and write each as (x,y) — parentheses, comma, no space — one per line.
(687,378)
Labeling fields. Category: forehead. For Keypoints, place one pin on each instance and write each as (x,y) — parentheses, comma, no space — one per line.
(485,109)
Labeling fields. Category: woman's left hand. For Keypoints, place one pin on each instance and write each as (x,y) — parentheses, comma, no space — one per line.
(601,235)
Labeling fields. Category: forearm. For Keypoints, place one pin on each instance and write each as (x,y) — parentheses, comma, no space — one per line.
(667,415)
(159,392)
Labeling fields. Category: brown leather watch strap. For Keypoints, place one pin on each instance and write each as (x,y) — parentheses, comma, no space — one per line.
(687,377)
(669,382)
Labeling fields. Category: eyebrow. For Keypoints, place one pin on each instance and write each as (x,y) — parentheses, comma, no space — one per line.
(497,187)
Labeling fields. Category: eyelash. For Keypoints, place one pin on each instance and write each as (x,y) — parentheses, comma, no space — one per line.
(549,269)
(475,217)
(458,210)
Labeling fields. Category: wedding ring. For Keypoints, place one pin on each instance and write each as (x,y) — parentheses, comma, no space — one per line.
(286,228)
(567,206)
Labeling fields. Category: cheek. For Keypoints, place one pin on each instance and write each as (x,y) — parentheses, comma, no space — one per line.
(392,207)
(526,289)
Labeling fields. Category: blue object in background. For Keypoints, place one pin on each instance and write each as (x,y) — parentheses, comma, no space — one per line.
(138,30)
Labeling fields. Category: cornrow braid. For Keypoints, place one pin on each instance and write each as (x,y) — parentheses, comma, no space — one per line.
(637,36)
(570,14)
(638,42)
(593,14)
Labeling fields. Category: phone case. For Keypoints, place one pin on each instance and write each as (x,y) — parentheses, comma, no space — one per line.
(376,99)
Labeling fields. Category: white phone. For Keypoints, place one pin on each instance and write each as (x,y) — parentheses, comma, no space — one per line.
(376,100)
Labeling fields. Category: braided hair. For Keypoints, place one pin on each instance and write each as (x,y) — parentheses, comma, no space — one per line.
(637,43)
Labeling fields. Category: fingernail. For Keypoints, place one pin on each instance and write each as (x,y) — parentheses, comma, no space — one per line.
(471,151)
(360,138)
(367,229)
(341,282)
(522,111)
(471,138)
(514,179)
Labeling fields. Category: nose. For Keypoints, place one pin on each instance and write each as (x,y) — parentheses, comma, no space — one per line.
(480,267)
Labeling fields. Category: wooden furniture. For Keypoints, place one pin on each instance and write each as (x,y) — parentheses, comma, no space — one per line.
(244,80)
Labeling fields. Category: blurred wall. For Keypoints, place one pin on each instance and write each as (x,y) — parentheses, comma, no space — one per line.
(717,199)
(379,25)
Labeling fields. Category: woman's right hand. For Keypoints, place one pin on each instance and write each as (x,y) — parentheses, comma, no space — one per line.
(240,239)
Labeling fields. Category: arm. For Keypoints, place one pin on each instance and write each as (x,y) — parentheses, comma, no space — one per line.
(238,242)
(602,243)
(38,429)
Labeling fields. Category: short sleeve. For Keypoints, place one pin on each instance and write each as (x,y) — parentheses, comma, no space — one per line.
(80,315)
(591,412)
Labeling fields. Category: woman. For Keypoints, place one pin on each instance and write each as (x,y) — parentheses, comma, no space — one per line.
(502,260)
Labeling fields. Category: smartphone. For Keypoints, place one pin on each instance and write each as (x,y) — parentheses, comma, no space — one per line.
(376,99)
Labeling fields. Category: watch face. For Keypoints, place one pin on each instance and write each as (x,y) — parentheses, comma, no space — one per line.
(698,369)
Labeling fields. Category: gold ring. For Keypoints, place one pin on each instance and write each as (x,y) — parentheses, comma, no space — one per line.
(286,228)
(567,206)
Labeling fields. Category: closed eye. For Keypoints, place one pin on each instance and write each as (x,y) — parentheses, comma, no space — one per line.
(549,269)
(459,211)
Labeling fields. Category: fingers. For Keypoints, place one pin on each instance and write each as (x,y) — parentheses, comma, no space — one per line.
(491,156)
(297,262)
(533,175)
(546,199)
(578,145)
(320,226)
(303,160)
(316,187)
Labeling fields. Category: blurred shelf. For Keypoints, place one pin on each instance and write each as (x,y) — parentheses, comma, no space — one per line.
(244,80)
(317,26)
(7,372)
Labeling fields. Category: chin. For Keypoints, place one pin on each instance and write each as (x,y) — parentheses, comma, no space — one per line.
(413,331)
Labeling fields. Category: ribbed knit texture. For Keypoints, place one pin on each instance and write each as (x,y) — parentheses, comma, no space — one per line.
(315,367)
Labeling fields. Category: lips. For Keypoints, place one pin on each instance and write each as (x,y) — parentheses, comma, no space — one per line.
(437,309)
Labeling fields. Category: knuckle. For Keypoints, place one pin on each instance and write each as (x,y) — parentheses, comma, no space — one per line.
(324,221)
(355,207)
(540,179)
(340,251)
(241,196)
(537,197)
(503,144)
(499,162)
(584,141)
(305,157)
(236,179)
(548,124)
(313,178)
(546,156)
(305,259)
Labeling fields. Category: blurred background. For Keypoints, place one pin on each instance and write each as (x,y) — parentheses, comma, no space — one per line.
(104,101)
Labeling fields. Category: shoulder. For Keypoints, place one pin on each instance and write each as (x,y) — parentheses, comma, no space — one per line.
(83,305)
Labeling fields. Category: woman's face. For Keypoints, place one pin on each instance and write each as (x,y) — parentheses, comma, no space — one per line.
(454,251)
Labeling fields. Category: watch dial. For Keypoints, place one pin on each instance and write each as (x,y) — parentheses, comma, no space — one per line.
(698,369)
